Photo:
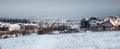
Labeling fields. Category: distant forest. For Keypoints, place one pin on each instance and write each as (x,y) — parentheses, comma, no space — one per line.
(14,20)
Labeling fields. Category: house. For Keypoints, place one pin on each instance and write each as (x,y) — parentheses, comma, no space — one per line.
(95,21)
(13,27)
(107,26)
(4,28)
(32,28)
(96,24)
(92,24)
(9,30)
(114,21)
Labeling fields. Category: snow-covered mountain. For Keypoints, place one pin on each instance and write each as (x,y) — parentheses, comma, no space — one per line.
(88,40)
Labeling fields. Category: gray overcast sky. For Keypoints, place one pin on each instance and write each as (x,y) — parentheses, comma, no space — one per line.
(59,9)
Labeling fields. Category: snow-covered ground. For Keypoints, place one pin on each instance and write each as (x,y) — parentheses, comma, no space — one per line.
(90,40)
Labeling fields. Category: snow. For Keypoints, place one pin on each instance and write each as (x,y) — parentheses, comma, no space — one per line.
(89,40)
(56,32)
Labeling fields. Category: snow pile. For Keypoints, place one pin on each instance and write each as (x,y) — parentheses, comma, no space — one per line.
(56,32)
(95,40)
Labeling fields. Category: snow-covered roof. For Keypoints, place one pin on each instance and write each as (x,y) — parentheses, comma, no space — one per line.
(31,24)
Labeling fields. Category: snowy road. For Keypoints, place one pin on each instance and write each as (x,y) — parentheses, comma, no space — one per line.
(96,40)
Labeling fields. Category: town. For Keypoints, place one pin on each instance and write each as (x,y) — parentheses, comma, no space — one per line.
(15,28)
